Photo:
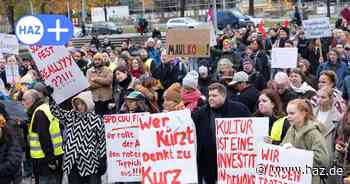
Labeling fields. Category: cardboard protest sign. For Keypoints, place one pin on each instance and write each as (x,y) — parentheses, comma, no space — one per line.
(58,70)
(8,44)
(317,28)
(284,57)
(12,72)
(236,140)
(168,148)
(275,164)
(123,147)
(189,42)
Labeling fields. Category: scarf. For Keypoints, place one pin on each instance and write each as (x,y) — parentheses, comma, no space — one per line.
(303,88)
(136,73)
(191,99)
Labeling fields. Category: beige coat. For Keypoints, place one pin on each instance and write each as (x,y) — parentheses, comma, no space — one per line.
(310,137)
(100,83)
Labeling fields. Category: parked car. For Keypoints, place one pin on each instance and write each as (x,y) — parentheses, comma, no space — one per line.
(106,28)
(182,22)
(232,17)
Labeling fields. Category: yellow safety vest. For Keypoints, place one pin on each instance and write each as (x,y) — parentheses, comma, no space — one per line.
(55,133)
(277,128)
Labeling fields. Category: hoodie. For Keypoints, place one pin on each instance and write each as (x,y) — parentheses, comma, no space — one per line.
(86,97)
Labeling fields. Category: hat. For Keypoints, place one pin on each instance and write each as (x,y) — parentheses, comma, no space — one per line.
(239,77)
(39,86)
(203,70)
(150,40)
(191,80)
(173,93)
(135,95)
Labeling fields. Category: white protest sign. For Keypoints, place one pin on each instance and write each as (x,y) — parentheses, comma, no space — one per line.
(97,14)
(58,69)
(168,148)
(123,147)
(12,73)
(284,57)
(275,164)
(236,140)
(317,28)
(8,44)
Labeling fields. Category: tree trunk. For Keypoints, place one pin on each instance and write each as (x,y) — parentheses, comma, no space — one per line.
(10,13)
(328,9)
(251,7)
(182,8)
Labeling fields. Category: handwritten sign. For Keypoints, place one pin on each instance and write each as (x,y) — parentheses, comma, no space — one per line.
(189,42)
(168,148)
(236,139)
(284,57)
(317,28)
(8,44)
(123,147)
(276,164)
(12,73)
(58,69)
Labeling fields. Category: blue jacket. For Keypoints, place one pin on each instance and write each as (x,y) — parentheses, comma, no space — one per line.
(154,54)
(341,71)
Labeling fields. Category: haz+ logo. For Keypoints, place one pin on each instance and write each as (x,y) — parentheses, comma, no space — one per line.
(44,30)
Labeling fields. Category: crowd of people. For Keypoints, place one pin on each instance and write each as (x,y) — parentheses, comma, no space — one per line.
(307,106)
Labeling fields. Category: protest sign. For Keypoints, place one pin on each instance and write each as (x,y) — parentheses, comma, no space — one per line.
(317,28)
(8,44)
(168,148)
(123,147)
(275,164)
(58,69)
(12,73)
(284,57)
(189,42)
(236,141)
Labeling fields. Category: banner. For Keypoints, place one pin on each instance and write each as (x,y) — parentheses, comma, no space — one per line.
(275,164)
(12,73)
(168,148)
(58,69)
(236,141)
(189,42)
(317,28)
(8,44)
(284,57)
(123,147)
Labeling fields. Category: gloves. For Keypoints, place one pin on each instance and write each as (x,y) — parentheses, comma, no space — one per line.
(53,165)
(103,166)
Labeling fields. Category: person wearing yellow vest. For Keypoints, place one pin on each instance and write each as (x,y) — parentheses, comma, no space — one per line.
(45,139)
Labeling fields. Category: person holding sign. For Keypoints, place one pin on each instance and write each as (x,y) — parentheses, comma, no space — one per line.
(218,107)
(85,142)
(306,133)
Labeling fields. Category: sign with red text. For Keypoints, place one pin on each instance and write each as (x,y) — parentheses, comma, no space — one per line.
(58,69)
(168,148)
(275,164)
(236,142)
(123,147)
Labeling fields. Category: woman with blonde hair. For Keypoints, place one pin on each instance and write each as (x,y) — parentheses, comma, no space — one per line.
(306,133)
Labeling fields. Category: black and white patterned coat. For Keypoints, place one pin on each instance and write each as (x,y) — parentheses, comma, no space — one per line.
(85,142)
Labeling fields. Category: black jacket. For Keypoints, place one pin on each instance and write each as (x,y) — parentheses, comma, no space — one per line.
(288,96)
(41,125)
(167,73)
(10,157)
(249,97)
(258,80)
(204,120)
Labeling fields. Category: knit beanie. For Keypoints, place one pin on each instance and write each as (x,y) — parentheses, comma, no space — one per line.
(173,93)
(191,80)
